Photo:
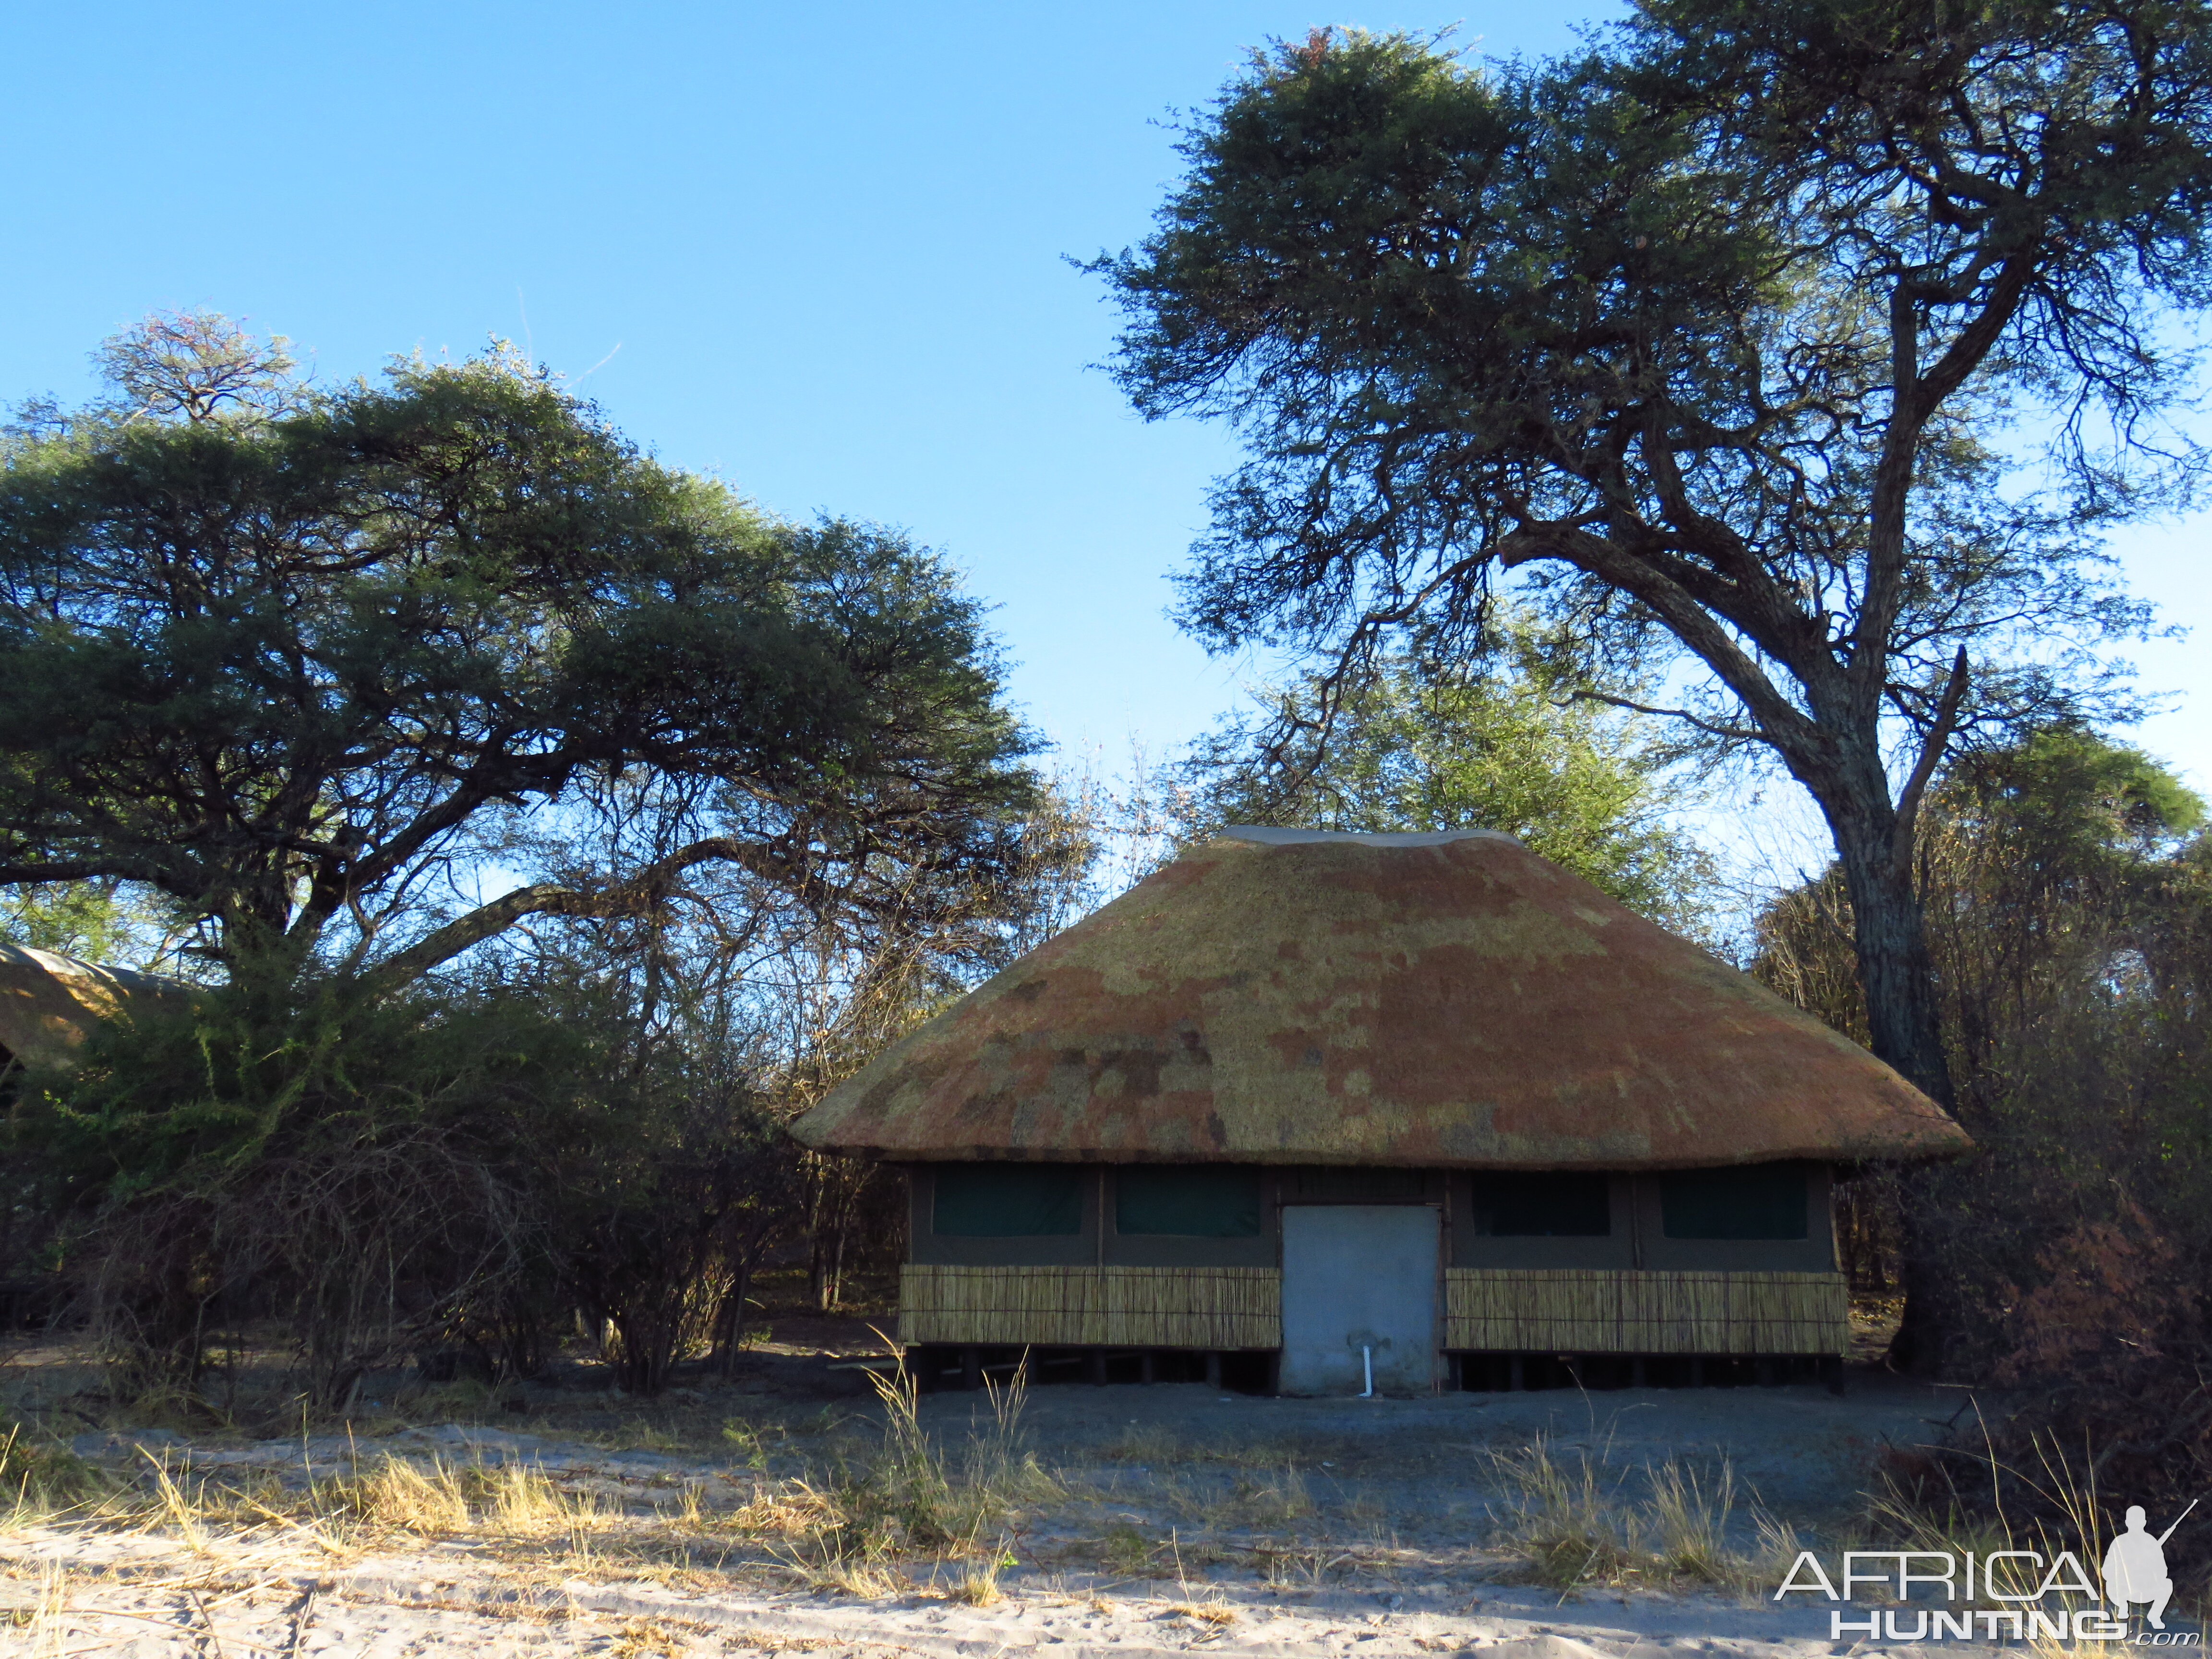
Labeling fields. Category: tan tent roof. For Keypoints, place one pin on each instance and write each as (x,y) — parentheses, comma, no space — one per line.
(48,1002)
(1289,996)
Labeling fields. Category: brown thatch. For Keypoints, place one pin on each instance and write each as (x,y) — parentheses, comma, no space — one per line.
(49,1002)
(1290,997)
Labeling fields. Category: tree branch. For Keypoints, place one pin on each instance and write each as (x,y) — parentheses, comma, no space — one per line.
(624,897)
(23,875)
(1931,752)
(1734,733)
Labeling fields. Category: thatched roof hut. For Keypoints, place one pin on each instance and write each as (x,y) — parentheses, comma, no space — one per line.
(1444,1000)
(1351,1107)
(49,1002)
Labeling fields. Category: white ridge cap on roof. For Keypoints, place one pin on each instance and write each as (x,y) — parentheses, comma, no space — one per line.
(1275,838)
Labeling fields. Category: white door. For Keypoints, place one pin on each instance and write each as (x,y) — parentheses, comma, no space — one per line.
(1359,1276)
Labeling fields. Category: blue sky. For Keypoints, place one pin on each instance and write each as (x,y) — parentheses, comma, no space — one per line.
(819,250)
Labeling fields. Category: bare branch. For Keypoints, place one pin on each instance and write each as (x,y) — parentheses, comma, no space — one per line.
(1931,754)
(627,897)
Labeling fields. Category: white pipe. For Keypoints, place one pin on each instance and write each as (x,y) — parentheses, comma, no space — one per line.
(1367,1363)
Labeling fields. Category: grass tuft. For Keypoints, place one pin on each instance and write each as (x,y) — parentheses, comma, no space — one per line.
(1579,1525)
(40,1481)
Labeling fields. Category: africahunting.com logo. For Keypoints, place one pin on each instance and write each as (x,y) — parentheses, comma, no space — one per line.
(2129,1602)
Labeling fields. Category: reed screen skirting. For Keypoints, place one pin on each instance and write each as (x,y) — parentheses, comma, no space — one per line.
(1560,1310)
(1593,1311)
(1218,1308)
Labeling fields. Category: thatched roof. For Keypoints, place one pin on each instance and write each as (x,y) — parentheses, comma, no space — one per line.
(1293,997)
(48,1002)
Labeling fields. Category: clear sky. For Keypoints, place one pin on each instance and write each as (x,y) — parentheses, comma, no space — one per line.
(820,251)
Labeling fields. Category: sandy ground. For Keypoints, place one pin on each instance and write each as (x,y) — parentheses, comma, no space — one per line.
(430,1603)
(1187,1521)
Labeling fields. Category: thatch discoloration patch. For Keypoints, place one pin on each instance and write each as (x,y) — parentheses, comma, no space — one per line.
(1459,1002)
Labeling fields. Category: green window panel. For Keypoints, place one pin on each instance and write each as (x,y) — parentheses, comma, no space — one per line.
(1543,1204)
(1007,1200)
(1762,1200)
(1191,1200)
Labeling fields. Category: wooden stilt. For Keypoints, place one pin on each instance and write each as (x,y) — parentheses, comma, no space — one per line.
(1517,1372)
(1213,1369)
(1094,1365)
(971,1366)
(1148,1367)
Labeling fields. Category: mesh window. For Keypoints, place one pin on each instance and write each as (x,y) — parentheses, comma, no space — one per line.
(1543,1204)
(1007,1200)
(1193,1200)
(1765,1201)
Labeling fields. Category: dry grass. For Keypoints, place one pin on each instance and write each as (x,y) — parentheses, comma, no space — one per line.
(1128,1551)
(1214,1612)
(1916,1505)
(866,1581)
(908,1496)
(45,1620)
(1580,1523)
(1293,1566)
(1256,1501)
(1155,1444)
(979,1587)
(874,1507)
(646,1638)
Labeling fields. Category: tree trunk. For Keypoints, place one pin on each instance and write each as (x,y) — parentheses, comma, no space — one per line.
(730,1318)
(1905,1024)
(1896,976)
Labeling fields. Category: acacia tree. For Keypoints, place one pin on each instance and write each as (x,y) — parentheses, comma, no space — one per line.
(284,657)
(1711,333)
(1420,746)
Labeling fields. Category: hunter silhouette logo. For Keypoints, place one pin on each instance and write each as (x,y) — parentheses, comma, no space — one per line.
(2135,1567)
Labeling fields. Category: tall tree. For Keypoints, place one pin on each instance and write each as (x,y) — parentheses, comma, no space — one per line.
(1421,746)
(2070,889)
(287,657)
(1713,333)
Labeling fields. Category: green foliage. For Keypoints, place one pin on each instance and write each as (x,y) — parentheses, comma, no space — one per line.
(280,655)
(385,1174)
(1712,339)
(1414,748)
(2071,909)
(341,1164)
(2078,799)
(2064,866)
(88,919)
(37,1479)
(288,660)
(1624,318)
